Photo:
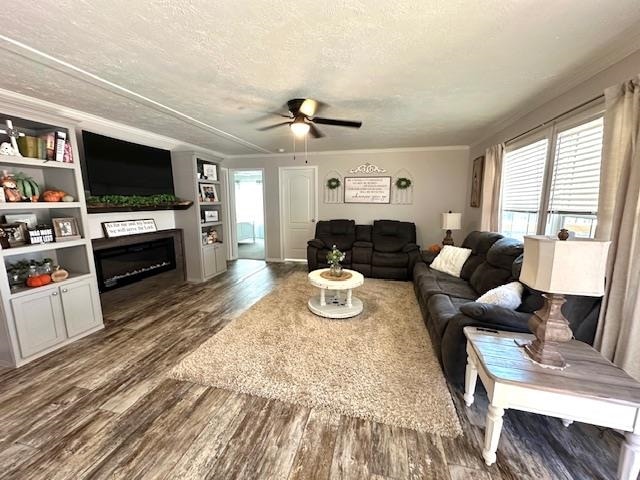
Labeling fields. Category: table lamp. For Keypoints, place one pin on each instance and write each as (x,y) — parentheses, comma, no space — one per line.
(559,267)
(450,221)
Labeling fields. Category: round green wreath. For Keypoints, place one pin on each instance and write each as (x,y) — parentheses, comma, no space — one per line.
(403,183)
(333,183)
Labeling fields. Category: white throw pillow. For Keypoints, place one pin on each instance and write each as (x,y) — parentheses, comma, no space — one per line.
(507,296)
(450,260)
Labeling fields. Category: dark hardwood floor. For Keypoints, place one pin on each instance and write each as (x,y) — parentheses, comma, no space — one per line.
(104,408)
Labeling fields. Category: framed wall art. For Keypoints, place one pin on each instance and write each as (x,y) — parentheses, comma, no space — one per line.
(128,227)
(476,181)
(367,190)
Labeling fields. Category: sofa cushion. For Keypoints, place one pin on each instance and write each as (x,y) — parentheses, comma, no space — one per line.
(441,309)
(487,277)
(450,260)
(341,233)
(391,235)
(381,259)
(504,252)
(479,243)
(431,282)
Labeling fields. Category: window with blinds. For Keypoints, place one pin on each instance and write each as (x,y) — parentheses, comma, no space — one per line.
(572,183)
(522,180)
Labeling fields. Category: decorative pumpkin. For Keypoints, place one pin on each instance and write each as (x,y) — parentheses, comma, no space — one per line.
(11,192)
(435,248)
(59,275)
(28,187)
(53,195)
(39,280)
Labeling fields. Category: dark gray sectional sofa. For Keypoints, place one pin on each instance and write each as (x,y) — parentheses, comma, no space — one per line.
(448,303)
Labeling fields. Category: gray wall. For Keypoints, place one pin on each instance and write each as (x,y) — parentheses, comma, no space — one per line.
(594,86)
(440,178)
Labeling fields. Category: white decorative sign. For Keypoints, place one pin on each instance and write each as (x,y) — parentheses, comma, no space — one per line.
(128,227)
(367,190)
(367,169)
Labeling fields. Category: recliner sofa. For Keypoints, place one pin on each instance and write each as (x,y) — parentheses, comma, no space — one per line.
(448,303)
(386,249)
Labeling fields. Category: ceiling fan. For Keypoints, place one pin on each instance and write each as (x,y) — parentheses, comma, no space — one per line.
(302,118)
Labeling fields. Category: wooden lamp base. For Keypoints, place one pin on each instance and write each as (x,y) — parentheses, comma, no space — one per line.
(448,239)
(550,328)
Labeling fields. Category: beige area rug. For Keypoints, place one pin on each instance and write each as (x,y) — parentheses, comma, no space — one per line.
(377,366)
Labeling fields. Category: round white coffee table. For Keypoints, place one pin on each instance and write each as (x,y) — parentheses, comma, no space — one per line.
(335,304)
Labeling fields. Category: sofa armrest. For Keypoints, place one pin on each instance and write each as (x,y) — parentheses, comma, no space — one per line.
(316,243)
(428,257)
(496,315)
(362,244)
(410,247)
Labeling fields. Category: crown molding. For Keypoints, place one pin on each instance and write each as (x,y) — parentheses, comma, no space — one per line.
(363,151)
(50,61)
(624,45)
(36,107)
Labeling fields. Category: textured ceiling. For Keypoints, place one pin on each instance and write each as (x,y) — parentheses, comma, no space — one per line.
(417,73)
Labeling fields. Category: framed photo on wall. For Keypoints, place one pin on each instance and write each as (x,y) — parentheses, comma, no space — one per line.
(476,181)
(367,190)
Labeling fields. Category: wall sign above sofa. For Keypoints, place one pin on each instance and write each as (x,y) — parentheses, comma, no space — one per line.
(128,227)
(367,169)
(367,190)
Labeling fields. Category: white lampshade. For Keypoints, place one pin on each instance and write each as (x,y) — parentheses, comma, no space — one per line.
(573,267)
(451,221)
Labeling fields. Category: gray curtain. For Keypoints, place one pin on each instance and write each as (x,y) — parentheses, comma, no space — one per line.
(491,186)
(618,335)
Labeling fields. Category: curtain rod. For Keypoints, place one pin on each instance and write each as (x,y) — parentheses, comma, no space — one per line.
(583,104)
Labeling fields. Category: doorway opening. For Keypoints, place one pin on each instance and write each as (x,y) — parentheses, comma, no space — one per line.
(248,191)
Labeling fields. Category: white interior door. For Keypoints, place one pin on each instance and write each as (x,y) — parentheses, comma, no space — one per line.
(298,209)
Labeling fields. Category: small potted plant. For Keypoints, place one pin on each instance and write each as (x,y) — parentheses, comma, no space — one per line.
(334,257)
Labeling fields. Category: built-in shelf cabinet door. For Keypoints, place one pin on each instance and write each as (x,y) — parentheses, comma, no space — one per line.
(221,258)
(79,303)
(209,260)
(39,321)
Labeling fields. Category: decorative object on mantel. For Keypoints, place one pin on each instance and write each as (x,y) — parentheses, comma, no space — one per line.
(367,169)
(559,267)
(65,229)
(333,187)
(133,203)
(476,181)
(13,135)
(128,227)
(367,190)
(334,257)
(402,191)
(450,221)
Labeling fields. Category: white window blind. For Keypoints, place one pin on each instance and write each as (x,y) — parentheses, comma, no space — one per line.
(522,177)
(576,171)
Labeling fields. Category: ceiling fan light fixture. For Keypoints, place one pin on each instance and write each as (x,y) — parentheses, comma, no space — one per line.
(300,128)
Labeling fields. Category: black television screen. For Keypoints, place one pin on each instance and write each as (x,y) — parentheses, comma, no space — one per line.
(116,167)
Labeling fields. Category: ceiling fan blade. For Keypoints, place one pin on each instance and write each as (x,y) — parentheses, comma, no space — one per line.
(315,132)
(274,126)
(268,116)
(338,123)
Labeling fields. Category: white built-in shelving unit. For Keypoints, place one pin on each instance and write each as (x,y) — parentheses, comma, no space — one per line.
(202,261)
(35,321)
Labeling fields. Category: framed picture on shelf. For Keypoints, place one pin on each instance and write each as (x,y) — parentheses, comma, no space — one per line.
(16,233)
(211,216)
(28,218)
(210,172)
(65,229)
(208,193)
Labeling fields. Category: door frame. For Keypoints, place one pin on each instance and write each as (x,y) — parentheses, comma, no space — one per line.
(281,171)
(233,247)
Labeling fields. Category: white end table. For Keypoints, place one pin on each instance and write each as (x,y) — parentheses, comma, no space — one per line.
(590,389)
(335,305)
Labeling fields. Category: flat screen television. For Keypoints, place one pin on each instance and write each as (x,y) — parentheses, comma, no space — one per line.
(116,167)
